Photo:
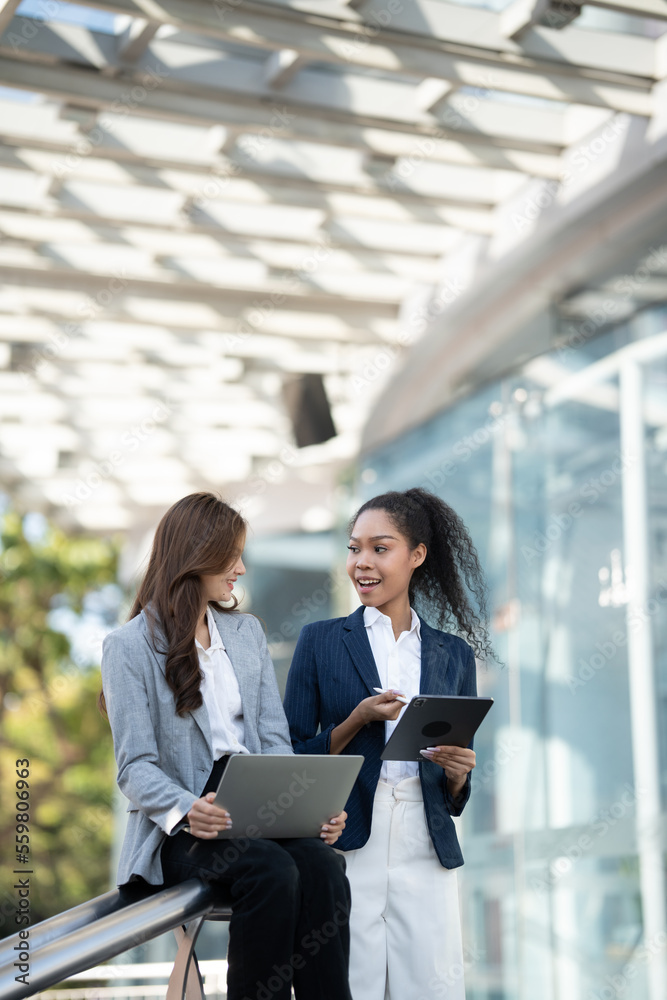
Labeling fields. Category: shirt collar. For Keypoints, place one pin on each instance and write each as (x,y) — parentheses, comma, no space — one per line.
(216,642)
(372,616)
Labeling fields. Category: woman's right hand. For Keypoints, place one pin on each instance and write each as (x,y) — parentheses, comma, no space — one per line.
(206,819)
(383,707)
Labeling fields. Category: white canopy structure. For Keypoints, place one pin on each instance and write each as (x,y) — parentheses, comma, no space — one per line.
(201,202)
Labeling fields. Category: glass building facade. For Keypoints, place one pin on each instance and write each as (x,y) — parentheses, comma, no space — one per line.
(559,470)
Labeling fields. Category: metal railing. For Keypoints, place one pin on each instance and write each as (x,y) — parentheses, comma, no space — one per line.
(96,931)
(148,979)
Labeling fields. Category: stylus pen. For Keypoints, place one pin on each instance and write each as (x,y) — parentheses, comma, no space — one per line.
(399,697)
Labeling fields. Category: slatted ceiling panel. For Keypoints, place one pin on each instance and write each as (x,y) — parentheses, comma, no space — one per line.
(196,144)
(111,380)
(22,189)
(34,120)
(130,203)
(274,190)
(17,301)
(223,272)
(127,336)
(414,238)
(482,186)
(88,349)
(44,229)
(13,393)
(375,287)
(315,161)
(473,150)
(22,440)
(101,258)
(269,220)
(169,241)
(186,316)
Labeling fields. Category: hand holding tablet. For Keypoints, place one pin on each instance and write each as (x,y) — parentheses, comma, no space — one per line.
(433,720)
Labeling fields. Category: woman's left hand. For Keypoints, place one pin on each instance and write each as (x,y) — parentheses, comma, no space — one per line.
(455,761)
(332,830)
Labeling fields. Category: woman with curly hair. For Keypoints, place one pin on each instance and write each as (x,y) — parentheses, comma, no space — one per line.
(187,682)
(406,549)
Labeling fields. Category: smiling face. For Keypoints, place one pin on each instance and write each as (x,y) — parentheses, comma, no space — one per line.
(380,563)
(219,586)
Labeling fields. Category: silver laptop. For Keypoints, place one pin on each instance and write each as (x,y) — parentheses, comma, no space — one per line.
(285,795)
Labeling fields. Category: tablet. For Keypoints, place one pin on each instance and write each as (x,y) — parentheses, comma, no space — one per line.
(432,720)
(284,795)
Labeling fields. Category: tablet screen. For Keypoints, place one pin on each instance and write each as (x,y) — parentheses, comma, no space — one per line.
(435,720)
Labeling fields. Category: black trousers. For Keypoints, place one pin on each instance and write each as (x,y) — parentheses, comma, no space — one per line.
(291,904)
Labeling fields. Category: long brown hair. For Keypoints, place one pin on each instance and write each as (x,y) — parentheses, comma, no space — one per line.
(199,535)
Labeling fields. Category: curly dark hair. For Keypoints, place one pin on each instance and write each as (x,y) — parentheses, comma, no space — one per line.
(440,587)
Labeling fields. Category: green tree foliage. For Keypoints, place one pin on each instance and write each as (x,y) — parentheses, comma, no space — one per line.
(48,715)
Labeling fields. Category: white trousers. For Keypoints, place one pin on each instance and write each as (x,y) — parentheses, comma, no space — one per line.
(405,925)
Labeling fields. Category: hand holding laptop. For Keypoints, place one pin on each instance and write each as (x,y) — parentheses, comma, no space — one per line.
(332,830)
(207,820)
(277,795)
(286,795)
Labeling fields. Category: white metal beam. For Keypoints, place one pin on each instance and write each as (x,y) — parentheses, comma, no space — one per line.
(519,15)
(252,221)
(136,38)
(431,145)
(221,184)
(7,11)
(428,196)
(397,40)
(641,665)
(535,129)
(285,118)
(638,8)
(358,322)
(56,235)
(661,58)
(431,92)
(280,67)
(294,292)
(621,83)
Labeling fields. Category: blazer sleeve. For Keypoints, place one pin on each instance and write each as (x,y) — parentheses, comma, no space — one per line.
(140,777)
(272,725)
(467,686)
(302,699)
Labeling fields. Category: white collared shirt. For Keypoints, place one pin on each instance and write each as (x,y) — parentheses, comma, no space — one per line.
(399,665)
(220,691)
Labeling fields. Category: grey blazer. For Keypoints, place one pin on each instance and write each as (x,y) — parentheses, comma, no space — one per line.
(165,759)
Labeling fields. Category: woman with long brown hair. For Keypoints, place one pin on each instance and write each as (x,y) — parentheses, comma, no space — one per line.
(187,681)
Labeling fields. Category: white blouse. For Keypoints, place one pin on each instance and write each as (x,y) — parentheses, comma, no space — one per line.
(220,691)
(399,666)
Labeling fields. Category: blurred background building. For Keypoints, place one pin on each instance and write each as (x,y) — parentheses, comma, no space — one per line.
(304,251)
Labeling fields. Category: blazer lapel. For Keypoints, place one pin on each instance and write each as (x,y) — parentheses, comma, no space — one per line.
(359,648)
(154,629)
(436,661)
(156,639)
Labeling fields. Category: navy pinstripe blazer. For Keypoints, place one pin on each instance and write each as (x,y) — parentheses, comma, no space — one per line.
(333,669)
